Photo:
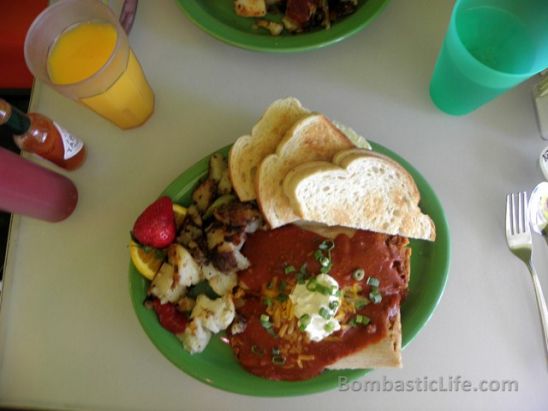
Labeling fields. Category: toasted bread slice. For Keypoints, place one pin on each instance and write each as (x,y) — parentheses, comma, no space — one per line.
(249,150)
(386,352)
(365,190)
(359,141)
(383,354)
(341,155)
(312,138)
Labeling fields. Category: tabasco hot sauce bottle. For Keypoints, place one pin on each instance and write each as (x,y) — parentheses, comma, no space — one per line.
(38,134)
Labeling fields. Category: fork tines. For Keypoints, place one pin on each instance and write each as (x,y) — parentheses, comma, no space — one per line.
(517,215)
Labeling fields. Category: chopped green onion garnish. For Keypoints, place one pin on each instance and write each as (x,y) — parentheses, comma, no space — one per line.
(270,284)
(333,304)
(282,286)
(373,282)
(276,351)
(360,303)
(326,245)
(324,313)
(304,269)
(375,296)
(362,319)
(312,284)
(265,321)
(304,321)
(323,255)
(278,360)
(288,269)
(267,301)
(329,327)
(318,254)
(325,270)
(325,290)
(359,274)
(301,278)
(324,261)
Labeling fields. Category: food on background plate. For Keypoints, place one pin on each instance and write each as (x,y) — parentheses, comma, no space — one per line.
(297,16)
(302,285)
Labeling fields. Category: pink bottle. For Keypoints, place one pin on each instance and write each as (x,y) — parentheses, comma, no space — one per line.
(34,191)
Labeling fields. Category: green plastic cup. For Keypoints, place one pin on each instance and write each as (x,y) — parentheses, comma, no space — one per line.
(490,47)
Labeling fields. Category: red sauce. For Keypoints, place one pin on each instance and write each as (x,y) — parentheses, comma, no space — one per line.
(269,252)
(170,318)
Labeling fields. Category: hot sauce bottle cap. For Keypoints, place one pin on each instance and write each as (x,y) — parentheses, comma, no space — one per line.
(13,118)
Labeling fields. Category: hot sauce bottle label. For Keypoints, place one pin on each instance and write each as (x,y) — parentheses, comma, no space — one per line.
(71,144)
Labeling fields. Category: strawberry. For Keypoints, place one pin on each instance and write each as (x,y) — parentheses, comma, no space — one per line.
(155,227)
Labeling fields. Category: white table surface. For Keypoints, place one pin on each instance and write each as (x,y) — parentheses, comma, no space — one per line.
(68,335)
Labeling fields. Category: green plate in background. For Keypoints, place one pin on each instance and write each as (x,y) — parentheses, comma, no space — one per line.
(217,366)
(217,17)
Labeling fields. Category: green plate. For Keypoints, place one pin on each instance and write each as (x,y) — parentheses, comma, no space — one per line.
(217,17)
(217,366)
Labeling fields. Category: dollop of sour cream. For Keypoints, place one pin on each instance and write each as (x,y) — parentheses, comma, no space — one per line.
(316,303)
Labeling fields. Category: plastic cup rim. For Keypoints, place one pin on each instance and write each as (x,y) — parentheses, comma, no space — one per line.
(119,38)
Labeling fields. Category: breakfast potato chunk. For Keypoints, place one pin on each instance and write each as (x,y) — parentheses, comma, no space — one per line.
(223,283)
(186,269)
(166,285)
(204,194)
(217,166)
(250,8)
(225,185)
(195,337)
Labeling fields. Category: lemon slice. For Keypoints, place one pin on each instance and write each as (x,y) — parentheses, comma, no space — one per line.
(180,214)
(147,262)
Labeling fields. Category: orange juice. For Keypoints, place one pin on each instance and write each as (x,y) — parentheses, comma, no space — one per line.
(80,52)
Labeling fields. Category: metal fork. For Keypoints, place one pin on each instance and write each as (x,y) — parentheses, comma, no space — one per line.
(520,242)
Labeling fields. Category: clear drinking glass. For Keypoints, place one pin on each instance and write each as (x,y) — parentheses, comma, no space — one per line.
(58,47)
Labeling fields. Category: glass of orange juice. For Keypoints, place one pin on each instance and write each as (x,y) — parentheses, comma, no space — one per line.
(80,49)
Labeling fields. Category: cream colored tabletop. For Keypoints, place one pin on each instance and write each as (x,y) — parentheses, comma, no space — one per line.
(69,338)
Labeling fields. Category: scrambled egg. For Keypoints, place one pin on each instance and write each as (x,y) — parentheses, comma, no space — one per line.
(179,272)
(208,316)
(221,283)
(166,286)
